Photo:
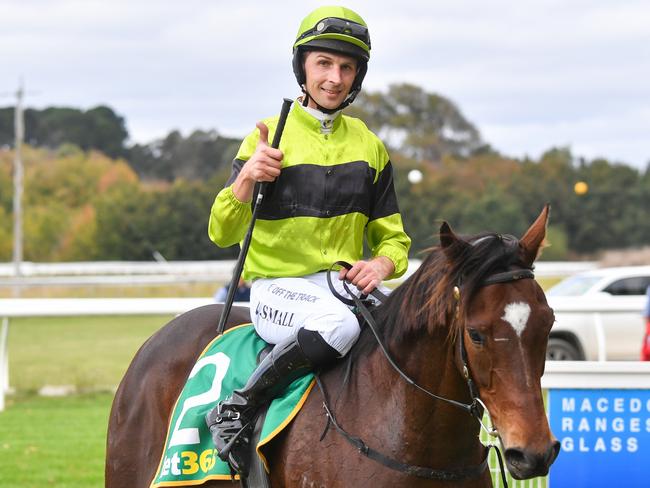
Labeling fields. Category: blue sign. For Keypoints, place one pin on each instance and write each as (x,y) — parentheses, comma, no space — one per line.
(605,437)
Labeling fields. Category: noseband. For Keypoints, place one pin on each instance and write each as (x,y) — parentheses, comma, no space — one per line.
(475,408)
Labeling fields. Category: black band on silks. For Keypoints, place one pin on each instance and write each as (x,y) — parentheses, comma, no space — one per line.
(314,347)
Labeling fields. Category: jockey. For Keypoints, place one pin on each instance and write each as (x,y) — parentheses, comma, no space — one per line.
(330,186)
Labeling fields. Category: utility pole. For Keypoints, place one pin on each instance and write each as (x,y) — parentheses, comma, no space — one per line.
(19,133)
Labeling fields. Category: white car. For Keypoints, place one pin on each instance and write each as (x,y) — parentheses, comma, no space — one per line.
(599,315)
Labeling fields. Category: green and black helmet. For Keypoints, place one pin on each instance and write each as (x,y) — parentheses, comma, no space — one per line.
(336,29)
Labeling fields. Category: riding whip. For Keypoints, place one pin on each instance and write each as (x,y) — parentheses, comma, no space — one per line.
(239,266)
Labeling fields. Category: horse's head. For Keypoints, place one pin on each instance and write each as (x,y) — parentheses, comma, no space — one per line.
(503,322)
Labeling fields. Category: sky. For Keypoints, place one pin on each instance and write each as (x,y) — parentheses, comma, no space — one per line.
(531,74)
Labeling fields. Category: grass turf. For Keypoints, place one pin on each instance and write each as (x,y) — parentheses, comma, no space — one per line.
(60,441)
(57,442)
(90,353)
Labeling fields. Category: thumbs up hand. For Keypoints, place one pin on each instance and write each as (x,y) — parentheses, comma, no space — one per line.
(263,165)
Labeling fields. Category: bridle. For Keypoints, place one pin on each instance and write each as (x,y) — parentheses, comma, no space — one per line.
(476,408)
(493,279)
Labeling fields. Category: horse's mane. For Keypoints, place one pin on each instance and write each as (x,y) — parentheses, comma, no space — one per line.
(424,303)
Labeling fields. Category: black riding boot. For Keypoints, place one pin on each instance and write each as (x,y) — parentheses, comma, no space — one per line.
(231,421)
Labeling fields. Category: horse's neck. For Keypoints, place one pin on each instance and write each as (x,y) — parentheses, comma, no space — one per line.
(406,422)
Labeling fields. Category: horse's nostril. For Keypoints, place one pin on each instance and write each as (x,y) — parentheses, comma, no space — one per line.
(524,465)
(515,457)
(553,452)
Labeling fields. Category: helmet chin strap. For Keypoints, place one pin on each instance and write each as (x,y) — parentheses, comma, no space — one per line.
(348,100)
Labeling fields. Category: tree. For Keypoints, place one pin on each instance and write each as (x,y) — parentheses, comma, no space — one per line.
(98,128)
(123,221)
(558,245)
(6,180)
(107,131)
(6,238)
(44,228)
(82,204)
(60,192)
(423,126)
(135,222)
(612,213)
(196,157)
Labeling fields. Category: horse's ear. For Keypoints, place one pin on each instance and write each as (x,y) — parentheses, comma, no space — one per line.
(531,242)
(452,245)
(447,236)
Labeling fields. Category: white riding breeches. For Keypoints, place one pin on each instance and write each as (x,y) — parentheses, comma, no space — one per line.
(280,307)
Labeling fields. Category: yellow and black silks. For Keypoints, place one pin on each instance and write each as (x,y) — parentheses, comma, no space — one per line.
(334,189)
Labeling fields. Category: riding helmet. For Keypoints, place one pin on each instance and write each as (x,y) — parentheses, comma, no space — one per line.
(336,29)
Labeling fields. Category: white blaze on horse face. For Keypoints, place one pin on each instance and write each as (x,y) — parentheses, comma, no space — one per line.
(516,314)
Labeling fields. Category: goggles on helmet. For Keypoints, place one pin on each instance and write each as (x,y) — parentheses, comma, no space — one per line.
(334,25)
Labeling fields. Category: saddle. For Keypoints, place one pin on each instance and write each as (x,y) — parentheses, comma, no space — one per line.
(188,455)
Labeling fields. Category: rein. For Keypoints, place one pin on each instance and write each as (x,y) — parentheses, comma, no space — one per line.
(475,408)
(458,474)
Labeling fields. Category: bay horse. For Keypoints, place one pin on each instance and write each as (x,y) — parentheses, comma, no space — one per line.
(472,307)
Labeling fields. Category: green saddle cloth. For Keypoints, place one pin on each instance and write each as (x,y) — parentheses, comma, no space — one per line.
(189,456)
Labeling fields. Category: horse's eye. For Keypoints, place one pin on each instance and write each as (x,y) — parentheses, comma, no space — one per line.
(476,337)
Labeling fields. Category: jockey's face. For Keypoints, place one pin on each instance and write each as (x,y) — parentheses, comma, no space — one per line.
(329,78)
